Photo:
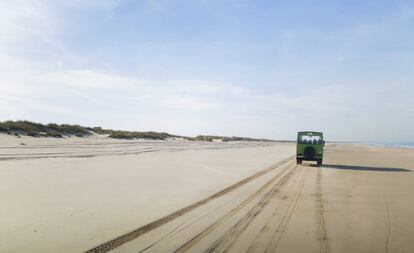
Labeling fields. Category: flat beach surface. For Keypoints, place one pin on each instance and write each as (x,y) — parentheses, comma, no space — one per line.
(74,194)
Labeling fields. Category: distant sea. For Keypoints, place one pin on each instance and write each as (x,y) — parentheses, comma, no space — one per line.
(394,144)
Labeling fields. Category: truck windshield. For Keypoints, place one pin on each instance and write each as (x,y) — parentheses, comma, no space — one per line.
(309,139)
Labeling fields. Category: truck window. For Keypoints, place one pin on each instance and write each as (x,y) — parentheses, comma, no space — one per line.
(308,139)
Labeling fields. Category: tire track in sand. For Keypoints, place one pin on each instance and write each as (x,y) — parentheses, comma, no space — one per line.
(225,242)
(260,237)
(120,240)
(281,228)
(389,232)
(322,232)
(189,244)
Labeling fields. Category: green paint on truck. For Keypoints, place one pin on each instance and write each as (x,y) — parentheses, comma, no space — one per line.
(309,147)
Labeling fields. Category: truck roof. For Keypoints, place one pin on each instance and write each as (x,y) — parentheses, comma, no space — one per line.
(311,132)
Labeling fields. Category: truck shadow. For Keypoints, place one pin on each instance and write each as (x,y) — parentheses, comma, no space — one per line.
(364,168)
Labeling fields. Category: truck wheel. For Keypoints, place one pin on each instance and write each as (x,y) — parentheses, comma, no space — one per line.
(299,161)
(319,162)
(309,153)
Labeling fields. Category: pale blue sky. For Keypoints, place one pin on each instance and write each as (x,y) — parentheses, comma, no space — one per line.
(228,67)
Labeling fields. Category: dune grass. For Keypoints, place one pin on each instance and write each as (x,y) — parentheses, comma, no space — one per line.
(226,138)
(37,129)
(59,131)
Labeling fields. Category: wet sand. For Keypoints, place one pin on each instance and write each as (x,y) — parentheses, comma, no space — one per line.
(171,199)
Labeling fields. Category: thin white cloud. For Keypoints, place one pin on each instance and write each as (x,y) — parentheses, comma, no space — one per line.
(188,102)
(71,94)
(86,79)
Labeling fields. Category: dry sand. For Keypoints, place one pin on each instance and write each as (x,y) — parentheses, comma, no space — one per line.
(67,195)
(124,196)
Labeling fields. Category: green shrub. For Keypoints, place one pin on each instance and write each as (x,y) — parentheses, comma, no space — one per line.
(2,128)
(73,129)
(54,133)
(37,129)
(121,135)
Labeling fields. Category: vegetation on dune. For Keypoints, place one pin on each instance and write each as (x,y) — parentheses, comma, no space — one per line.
(69,129)
(37,129)
(55,130)
(117,134)
(59,131)
(227,139)
(3,129)
(140,135)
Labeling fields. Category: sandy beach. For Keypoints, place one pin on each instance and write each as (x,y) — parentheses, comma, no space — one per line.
(103,195)
(187,126)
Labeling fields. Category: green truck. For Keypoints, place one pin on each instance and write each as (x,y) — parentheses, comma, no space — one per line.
(309,147)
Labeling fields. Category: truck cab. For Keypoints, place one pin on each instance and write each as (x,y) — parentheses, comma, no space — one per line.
(309,147)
